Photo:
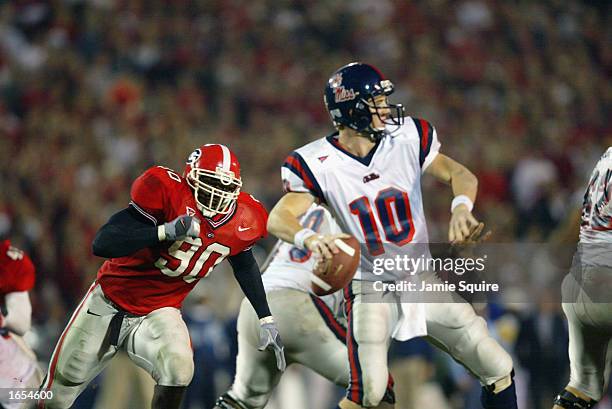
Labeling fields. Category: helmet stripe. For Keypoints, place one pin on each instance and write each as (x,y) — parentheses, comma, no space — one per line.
(382,77)
(226,157)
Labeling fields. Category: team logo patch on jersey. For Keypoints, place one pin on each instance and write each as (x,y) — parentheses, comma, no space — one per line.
(370,177)
(190,211)
(322,158)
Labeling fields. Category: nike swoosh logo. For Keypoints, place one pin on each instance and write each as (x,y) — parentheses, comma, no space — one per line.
(93,313)
(240,228)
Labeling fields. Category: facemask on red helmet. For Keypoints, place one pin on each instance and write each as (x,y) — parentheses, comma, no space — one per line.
(213,172)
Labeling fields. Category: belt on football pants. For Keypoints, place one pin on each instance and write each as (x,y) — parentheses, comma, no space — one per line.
(115,327)
(115,323)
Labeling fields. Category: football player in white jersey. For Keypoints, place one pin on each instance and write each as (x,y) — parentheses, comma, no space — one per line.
(587,296)
(314,334)
(369,174)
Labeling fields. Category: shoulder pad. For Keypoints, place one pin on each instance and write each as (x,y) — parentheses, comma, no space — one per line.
(252,219)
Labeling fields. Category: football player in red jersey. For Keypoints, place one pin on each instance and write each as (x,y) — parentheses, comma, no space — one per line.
(18,366)
(174,232)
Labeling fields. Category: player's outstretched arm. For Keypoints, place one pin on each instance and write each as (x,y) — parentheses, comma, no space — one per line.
(465,186)
(283,220)
(248,275)
(127,231)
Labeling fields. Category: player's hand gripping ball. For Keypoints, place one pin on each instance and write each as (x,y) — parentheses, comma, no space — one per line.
(333,274)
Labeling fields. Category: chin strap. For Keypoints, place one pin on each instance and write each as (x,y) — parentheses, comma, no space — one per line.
(375,135)
(568,400)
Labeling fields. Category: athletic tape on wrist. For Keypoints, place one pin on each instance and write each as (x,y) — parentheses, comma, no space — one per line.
(266,320)
(462,199)
(301,236)
(161,232)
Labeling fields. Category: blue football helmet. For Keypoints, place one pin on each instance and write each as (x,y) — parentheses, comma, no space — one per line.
(349,97)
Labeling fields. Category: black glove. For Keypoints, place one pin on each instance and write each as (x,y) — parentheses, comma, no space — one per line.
(269,338)
(180,228)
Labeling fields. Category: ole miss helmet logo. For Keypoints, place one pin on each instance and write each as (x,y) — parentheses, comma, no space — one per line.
(336,80)
(341,94)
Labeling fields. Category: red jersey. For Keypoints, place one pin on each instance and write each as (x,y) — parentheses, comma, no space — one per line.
(16,270)
(162,276)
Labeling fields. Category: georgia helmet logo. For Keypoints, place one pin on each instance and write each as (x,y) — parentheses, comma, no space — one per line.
(194,156)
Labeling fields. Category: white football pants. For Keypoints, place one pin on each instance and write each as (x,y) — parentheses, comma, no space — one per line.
(452,326)
(590,329)
(158,342)
(312,337)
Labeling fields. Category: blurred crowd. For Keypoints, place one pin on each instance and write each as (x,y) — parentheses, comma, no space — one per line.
(92,92)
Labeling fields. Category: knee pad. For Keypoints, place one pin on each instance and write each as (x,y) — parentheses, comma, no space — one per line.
(373,395)
(225,401)
(370,323)
(492,362)
(568,400)
(76,367)
(176,369)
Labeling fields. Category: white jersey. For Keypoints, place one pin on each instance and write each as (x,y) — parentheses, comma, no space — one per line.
(596,222)
(290,266)
(376,198)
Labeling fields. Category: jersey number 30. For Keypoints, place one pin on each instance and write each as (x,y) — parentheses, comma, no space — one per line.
(393,211)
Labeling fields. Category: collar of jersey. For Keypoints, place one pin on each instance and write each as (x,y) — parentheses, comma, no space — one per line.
(365,160)
(221,219)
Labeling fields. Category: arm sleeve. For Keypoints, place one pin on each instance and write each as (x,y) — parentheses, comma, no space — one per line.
(125,232)
(18,317)
(429,145)
(248,276)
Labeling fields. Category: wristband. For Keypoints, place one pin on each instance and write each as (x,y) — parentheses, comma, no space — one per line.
(462,199)
(301,236)
(161,232)
(266,320)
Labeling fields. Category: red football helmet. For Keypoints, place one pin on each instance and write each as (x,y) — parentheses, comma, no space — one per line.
(213,172)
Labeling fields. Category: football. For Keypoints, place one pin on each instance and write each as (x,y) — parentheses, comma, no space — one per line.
(340,270)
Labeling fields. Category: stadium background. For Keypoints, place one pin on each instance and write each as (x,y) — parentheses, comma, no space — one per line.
(94,92)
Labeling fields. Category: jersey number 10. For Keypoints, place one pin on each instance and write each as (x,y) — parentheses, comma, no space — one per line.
(394,215)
